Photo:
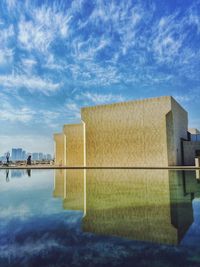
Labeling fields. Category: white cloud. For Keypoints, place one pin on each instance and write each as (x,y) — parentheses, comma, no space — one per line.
(11,4)
(16,114)
(72,111)
(28,62)
(6,52)
(194,19)
(6,56)
(31,83)
(167,38)
(53,63)
(34,36)
(87,50)
(11,113)
(46,24)
(102,98)
(49,117)
(184,98)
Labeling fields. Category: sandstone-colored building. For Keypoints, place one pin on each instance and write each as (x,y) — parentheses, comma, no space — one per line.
(59,141)
(74,144)
(143,133)
(137,133)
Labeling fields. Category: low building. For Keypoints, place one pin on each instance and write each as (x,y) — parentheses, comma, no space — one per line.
(74,144)
(59,140)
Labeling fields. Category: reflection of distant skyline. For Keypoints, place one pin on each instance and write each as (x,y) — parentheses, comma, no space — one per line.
(17,174)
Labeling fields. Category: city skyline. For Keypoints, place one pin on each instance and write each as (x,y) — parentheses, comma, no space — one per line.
(58,56)
(21,154)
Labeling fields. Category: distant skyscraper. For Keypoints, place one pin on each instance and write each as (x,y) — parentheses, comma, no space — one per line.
(18,154)
(35,156)
(23,154)
(40,156)
(14,153)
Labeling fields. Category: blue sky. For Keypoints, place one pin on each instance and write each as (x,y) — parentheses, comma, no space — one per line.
(58,56)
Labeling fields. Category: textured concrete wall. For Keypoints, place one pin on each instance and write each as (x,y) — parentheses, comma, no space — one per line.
(189,148)
(178,131)
(59,140)
(74,145)
(136,204)
(133,133)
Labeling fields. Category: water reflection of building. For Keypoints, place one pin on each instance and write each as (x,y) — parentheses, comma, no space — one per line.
(145,205)
(59,179)
(69,185)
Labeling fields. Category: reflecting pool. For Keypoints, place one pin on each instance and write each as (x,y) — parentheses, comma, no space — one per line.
(109,217)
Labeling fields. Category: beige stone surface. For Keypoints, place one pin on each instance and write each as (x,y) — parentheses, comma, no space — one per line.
(136,133)
(74,145)
(179,125)
(59,140)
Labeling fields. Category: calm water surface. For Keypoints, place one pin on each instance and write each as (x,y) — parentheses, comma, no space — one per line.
(99,218)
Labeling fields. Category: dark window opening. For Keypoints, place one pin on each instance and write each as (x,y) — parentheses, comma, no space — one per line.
(197,153)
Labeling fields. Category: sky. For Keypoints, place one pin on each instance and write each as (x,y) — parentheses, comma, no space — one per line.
(58,56)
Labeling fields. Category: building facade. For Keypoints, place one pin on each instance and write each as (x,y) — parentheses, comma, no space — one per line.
(59,141)
(136,133)
(74,144)
(144,133)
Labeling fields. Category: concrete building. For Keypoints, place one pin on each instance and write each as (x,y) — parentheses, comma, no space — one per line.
(191,147)
(59,140)
(137,133)
(143,133)
(74,144)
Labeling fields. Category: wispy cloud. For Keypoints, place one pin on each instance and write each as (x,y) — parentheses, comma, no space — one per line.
(46,25)
(72,111)
(31,83)
(6,50)
(12,113)
(96,98)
